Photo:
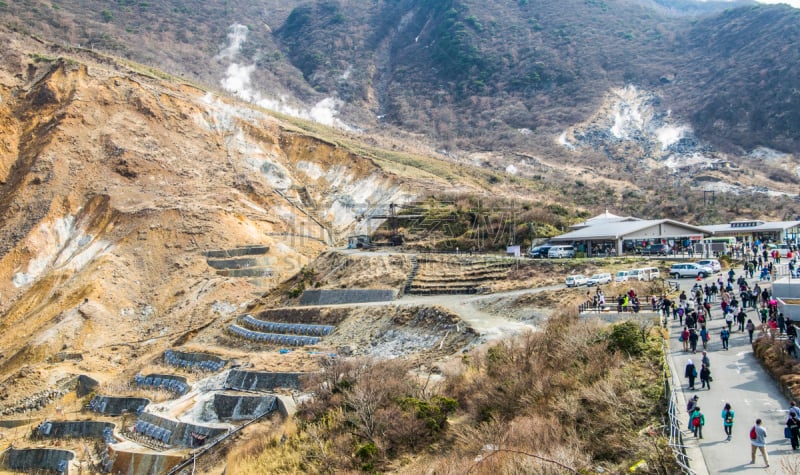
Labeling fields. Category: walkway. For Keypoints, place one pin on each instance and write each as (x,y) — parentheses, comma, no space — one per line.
(740,380)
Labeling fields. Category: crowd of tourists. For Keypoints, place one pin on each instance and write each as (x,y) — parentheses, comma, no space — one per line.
(733,300)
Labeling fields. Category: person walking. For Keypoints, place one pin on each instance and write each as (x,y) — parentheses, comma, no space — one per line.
(740,319)
(691,373)
(685,338)
(705,377)
(693,340)
(793,424)
(794,409)
(729,316)
(692,404)
(724,336)
(751,327)
(727,420)
(705,360)
(704,337)
(758,441)
(698,421)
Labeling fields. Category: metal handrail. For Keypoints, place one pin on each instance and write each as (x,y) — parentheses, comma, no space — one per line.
(675,432)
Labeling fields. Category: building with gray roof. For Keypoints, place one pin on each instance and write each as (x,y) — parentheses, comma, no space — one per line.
(752,230)
(608,234)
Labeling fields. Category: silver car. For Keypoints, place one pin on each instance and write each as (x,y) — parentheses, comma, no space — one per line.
(689,269)
(713,264)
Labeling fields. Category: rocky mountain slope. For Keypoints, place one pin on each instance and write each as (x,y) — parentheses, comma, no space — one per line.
(481,81)
(124,195)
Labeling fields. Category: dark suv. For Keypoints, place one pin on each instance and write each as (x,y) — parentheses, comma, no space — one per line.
(655,250)
(540,252)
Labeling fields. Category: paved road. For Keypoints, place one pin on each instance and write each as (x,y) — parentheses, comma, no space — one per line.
(740,380)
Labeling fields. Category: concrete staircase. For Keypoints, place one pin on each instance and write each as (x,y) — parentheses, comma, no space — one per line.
(411,275)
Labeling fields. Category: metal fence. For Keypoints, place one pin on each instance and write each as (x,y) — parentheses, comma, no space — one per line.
(676,441)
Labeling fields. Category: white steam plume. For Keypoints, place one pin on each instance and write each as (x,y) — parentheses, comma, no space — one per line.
(237,81)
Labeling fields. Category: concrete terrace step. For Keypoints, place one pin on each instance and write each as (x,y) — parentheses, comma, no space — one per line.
(308,315)
(167,382)
(239,262)
(196,361)
(447,285)
(257,324)
(446,279)
(273,338)
(443,290)
(117,406)
(253,250)
(175,433)
(247,272)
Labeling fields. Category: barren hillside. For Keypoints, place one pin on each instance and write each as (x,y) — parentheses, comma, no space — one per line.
(120,191)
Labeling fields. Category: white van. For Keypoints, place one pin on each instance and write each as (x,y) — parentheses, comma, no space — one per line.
(645,273)
(561,251)
(621,276)
(654,273)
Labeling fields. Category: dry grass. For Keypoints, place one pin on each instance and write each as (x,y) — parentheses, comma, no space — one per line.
(554,401)
(782,366)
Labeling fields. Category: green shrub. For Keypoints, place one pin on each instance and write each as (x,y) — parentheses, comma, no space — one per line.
(626,337)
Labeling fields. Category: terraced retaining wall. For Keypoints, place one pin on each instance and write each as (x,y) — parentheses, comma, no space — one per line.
(315,315)
(85,385)
(67,429)
(39,459)
(228,406)
(262,381)
(345,296)
(117,406)
(190,360)
(181,432)
(253,250)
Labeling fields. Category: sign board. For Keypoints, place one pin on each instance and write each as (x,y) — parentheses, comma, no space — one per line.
(513,251)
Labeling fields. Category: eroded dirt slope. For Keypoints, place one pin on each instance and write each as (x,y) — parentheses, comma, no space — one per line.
(114,186)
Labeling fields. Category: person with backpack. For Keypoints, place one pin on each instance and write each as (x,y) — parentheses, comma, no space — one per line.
(758,441)
(724,335)
(727,420)
(704,336)
(705,377)
(794,409)
(793,424)
(691,373)
(698,421)
(751,327)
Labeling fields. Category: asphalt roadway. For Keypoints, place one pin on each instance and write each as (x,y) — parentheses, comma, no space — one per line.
(741,381)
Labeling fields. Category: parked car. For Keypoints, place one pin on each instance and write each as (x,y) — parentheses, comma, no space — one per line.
(599,279)
(561,251)
(689,269)
(712,263)
(621,276)
(539,252)
(655,250)
(576,280)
